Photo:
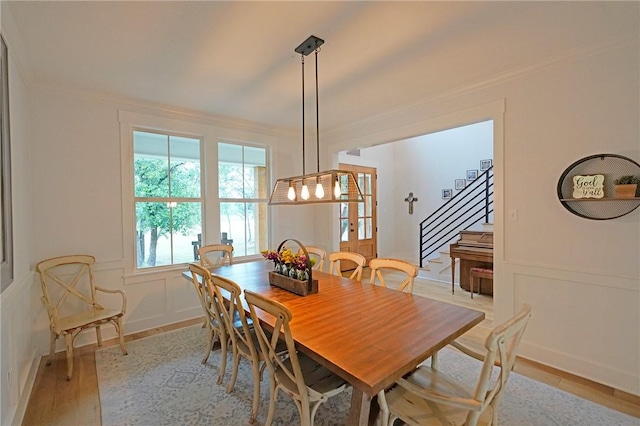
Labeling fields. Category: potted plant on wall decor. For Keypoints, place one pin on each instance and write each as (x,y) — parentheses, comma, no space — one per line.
(626,186)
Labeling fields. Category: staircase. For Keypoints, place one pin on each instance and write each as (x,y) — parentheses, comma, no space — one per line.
(470,209)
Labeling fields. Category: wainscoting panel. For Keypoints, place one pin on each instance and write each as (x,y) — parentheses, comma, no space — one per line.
(584,323)
(181,296)
(21,319)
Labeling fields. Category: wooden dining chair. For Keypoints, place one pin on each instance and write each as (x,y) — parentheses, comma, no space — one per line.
(303,379)
(317,253)
(336,259)
(214,320)
(214,255)
(70,295)
(244,341)
(380,265)
(428,396)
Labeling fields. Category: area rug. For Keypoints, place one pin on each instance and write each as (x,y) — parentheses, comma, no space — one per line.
(162,382)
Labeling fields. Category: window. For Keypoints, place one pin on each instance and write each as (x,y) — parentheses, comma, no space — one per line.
(168,201)
(243,193)
(189,184)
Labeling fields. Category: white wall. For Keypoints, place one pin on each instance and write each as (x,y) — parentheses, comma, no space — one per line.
(582,276)
(20,302)
(423,165)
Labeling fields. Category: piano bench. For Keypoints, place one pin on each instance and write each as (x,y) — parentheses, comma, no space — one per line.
(479,273)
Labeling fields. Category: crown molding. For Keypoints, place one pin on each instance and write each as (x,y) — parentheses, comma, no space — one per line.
(156,108)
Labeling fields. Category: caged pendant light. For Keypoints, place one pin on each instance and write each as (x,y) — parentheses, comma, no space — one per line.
(332,186)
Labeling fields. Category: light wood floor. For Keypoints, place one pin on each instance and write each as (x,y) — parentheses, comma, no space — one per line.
(56,401)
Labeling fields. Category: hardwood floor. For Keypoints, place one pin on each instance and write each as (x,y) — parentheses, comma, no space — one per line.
(56,401)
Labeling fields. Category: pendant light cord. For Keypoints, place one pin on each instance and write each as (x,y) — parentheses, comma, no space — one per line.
(303,172)
(317,117)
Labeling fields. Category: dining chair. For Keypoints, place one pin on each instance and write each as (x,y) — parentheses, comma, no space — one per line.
(70,295)
(336,259)
(214,255)
(244,341)
(307,382)
(317,253)
(427,396)
(214,320)
(380,265)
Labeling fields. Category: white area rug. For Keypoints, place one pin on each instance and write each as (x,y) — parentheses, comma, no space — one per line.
(162,382)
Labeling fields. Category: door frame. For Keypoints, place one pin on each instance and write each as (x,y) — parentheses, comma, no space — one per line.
(369,247)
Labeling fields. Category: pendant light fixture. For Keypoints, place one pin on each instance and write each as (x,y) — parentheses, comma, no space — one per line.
(332,186)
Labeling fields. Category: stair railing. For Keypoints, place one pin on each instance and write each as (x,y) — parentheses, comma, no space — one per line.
(470,206)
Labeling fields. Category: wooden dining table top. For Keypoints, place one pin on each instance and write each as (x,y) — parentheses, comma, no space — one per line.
(367,334)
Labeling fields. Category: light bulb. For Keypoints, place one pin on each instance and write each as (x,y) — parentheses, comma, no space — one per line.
(336,189)
(319,189)
(292,193)
(305,192)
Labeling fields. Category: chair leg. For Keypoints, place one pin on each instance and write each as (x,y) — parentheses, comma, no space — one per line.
(68,338)
(313,410)
(121,336)
(434,360)
(209,346)
(224,342)
(236,365)
(305,413)
(256,390)
(272,402)
(99,335)
(52,347)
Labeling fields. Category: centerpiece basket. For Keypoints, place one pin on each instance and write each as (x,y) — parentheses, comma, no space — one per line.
(287,277)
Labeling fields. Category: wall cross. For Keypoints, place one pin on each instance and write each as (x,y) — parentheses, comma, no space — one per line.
(411,199)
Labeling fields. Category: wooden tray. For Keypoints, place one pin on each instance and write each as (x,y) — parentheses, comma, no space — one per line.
(301,288)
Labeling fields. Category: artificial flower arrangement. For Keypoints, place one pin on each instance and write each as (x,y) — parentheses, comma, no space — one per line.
(290,264)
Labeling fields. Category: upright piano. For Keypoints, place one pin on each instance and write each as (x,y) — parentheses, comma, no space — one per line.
(475,250)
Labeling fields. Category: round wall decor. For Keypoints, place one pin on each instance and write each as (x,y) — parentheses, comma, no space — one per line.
(586,188)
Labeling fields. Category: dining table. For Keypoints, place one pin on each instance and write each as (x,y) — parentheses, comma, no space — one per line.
(367,334)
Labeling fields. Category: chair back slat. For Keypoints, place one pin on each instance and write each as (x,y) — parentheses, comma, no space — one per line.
(68,285)
(380,265)
(214,255)
(336,259)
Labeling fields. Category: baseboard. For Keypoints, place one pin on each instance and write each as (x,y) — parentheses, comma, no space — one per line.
(604,375)
(25,395)
(606,389)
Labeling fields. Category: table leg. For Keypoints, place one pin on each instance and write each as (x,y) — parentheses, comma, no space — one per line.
(360,409)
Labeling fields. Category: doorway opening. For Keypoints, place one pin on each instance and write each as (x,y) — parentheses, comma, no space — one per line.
(433,168)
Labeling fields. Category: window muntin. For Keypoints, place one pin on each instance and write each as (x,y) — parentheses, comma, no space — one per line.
(168,203)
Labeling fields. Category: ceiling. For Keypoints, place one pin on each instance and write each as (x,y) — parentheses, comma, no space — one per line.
(236,60)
